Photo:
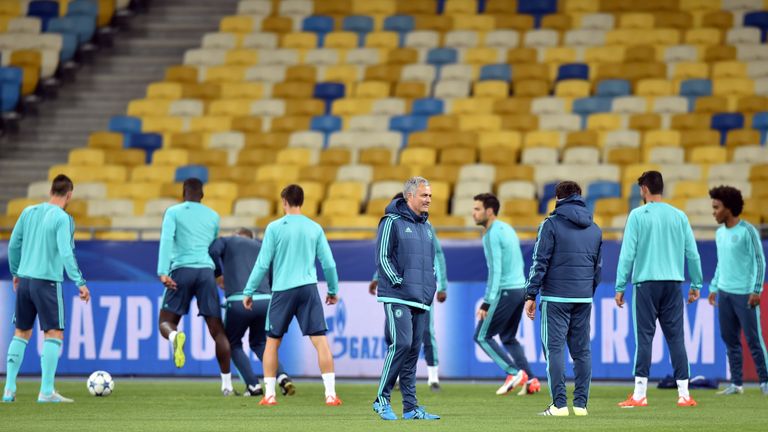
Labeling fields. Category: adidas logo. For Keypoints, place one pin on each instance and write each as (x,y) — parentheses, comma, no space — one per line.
(408,230)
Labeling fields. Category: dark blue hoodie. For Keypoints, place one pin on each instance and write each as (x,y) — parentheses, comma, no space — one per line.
(405,257)
(566,258)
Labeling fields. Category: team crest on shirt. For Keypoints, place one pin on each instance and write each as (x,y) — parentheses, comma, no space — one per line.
(408,230)
(734,239)
(398,313)
(429,233)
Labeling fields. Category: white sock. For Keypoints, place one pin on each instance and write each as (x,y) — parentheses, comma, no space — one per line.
(269,387)
(682,388)
(172,337)
(226,381)
(432,375)
(329,381)
(641,386)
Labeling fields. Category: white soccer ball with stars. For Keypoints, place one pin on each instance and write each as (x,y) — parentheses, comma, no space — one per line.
(100,383)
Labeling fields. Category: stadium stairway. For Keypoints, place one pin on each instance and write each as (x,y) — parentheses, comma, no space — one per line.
(155,41)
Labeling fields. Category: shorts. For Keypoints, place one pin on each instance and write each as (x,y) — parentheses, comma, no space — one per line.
(199,283)
(301,302)
(42,299)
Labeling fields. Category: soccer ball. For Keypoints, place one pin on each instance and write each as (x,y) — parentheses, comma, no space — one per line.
(100,383)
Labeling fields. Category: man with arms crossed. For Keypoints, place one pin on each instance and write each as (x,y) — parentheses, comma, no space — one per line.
(566,271)
(739,280)
(658,241)
(291,246)
(405,261)
(186,270)
(41,247)
(234,257)
(504,297)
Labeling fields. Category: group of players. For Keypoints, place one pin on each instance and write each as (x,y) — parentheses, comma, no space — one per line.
(269,283)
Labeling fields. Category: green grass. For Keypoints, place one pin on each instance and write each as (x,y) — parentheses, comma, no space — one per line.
(139,405)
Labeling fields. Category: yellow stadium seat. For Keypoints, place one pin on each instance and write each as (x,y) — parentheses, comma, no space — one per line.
(729,69)
(335,157)
(509,139)
(236,24)
(181,74)
(623,156)
(17,205)
(338,207)
(272,140)
(690,70)
(718,53)
(12,8)
(519,22)
(375,156)
(458,156)
(572,88)
(710,104)
(299,40)
(340,40)
(231,107)
(644,122)
(742,137)
(86,156)
(170,157)
(296,156)
(703,36)
(148,107)
(499,155)
(560,22)
(350,190)
(532,88)
(402,56)
(374,7)
(491,89)
(453,7)
(688,121)
(587,138)
(640,54)
(255,157)
(560,55)
(708,155)
(247,124)
(732,87)
(690,189)
(221,206)
(162,124)
(391,172)
(308,107)
(517,105)
(210,124)
(276,24)
(604,122)
(153,174)
(611,206)
(481,55)
(209,157)
(636,20)
(446,122)
(654,87)
(279,173)
(410,90)
(531,71)
(105,140)
(348,107)
(418,156)
(480,123)
(500,6)
(134,190)
(699,138)
(482,23)
(372,90)
(221,191)
(522,55)
(550,139)
(292,90)
(752,104)
(719,19)
(165,90)
(242,90)
(242,57)
(382,39)
(472,105)
(661,138)
(604,54)
(125,157)
(520,122)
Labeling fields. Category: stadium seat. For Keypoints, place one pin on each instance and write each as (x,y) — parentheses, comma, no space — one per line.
(726,121)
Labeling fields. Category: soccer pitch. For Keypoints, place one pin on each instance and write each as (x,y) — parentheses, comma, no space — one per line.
(140,405)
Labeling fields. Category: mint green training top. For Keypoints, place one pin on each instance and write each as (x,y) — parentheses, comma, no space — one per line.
(740,260)
(658,241)
(42,245)
(188,230)
(291,244)
(504,259)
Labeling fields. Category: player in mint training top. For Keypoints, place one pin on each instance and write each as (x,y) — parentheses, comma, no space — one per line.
(430,341)
(739,279)
(504,297)
(291,245)
(658,242)
(41,248)
(186,270)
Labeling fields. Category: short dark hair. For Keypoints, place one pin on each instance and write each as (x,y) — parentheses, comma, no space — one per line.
(193,189)
(294,194)
(489,201)
(730,197)
(61,185)
(244,232)
(653,181)
(566,188)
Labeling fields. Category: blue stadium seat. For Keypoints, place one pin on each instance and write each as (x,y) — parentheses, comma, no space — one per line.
(149,142)
(401,24)
(83,8)
(578,71)
(125,124)
(602,189)
(591,105)
(757,19)
(496,72)
(10,88)
(328,92)
(428,107)
(547,194)
(537,8)
(43,9)
(68,47)
(723,122)
(442,56)
(614,87)
(326,124)
(83,27)
(760,123)
(440,6)
(406,124)
(319,24)
(191,171)
(359,24)
(695,88)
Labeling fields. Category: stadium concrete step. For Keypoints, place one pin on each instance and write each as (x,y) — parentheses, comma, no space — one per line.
(141,54)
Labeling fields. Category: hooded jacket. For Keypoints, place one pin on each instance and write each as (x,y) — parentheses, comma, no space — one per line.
(566,257)
(405,257)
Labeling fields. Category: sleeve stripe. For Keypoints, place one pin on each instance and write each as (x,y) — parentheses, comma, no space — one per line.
(532,270)
(383,252)
(759,259)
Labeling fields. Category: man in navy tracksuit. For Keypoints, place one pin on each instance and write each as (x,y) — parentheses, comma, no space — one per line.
(234,258)
(405,261)
(566,270)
